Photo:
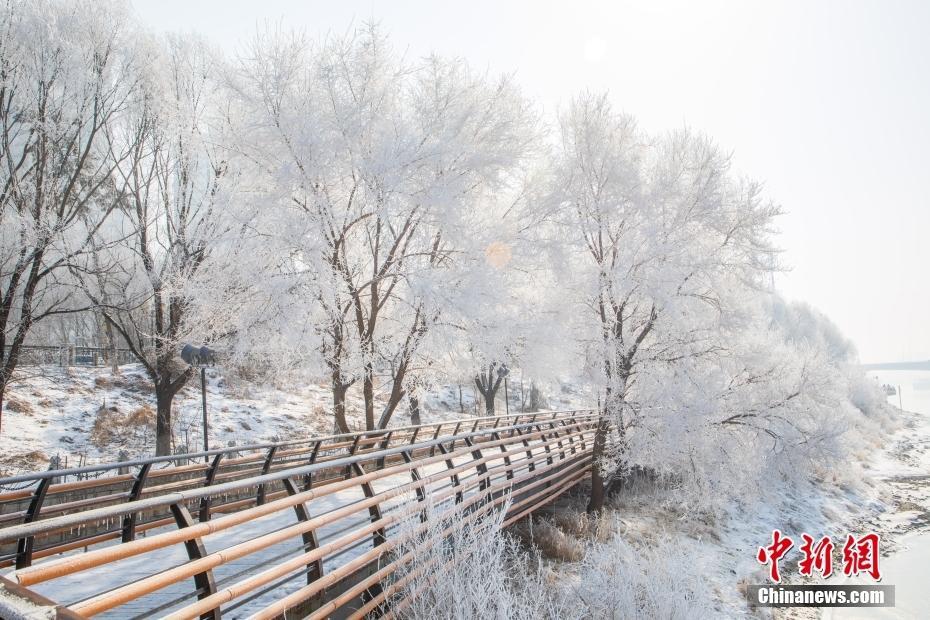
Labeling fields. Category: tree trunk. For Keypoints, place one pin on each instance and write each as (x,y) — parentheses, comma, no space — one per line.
(111,347)
(537,401)
(339,407)
(395,398)
(6,370)
(414,403)
(109,338)
(163,398)
(488,385)
(612,410)
(596,502)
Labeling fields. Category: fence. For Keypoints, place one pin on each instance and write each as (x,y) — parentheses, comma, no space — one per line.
(69,355)
(305,527)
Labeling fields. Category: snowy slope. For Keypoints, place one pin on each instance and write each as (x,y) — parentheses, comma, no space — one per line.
(53,412)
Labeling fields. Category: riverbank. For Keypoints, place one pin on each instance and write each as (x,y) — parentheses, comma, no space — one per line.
(904,470)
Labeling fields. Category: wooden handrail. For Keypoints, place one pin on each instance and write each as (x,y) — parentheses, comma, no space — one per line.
(520,462)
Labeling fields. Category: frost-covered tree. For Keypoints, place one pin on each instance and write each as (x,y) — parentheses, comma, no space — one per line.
(383,166)
(759,408)
(174,187)
(652,237)
(488,381)
(67,70)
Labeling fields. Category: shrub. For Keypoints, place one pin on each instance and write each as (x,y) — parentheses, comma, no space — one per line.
(618,580)
(479,571)
(476,571)
(583,526)
(114,426)
(552,542)
(19,406)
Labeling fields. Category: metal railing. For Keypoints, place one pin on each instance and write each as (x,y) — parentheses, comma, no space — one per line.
(154,505)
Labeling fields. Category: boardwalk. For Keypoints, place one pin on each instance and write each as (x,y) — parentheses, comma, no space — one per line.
(307,528)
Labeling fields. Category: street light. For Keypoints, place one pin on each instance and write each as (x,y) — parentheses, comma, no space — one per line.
(503,371)
(201,357)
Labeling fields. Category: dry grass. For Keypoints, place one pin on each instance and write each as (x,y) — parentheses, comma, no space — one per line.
(19,406)
(11,464)
(583,526)
(112,425)
(552,542)
(103,382)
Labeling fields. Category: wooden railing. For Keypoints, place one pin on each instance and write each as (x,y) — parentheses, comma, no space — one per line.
(306,528)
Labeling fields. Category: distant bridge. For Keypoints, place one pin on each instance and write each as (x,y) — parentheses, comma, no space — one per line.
(299,529)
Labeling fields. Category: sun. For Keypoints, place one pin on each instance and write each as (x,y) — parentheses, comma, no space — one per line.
(497,254)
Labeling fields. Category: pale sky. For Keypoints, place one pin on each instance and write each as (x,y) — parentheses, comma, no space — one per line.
(827,102)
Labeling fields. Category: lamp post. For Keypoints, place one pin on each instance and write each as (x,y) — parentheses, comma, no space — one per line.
(201,357)
(503,371)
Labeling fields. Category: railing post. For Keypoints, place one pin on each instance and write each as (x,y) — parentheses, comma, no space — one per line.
(315,568)
(555,431)
(347,473)
(384,446)
(529,451)
(415,476)
(208,481)
(129,521)
(481,467)
(195,550)
(308,479)
(545,437)
(373,511)
(432,449)
(571,438)
(24,545)
(260,496)
(497,437)
(455,431)
(583,445)
(453,477)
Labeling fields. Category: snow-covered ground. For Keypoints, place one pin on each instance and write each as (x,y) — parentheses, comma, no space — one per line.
(884,488)
(904,468)
(52,412)
(886,491)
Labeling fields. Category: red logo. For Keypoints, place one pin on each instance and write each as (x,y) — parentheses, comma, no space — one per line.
(817,557)
(774,552)
(860,555)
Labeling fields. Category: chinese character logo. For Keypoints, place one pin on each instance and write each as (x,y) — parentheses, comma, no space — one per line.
(860,555)
(774,552)
(817,557)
